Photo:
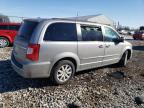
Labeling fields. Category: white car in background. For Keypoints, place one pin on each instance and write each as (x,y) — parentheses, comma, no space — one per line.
(124,32)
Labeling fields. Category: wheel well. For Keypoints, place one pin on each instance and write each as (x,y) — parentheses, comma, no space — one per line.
(70,59)
(129,53)
(6,38)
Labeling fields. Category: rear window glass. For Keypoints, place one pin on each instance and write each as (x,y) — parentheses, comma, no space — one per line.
(139,32)
(14,27)
(27,29)
(3,27)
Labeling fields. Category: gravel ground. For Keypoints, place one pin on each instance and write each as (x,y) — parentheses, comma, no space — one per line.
(106,87)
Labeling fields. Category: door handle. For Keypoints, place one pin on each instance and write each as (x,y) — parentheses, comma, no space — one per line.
(107,46)
(100,46)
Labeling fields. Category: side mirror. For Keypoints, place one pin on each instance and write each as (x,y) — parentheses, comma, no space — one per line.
(117,40)
(122,39)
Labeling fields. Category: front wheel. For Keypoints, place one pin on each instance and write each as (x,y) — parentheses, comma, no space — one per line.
(124,59)
(4,42)
(62,72)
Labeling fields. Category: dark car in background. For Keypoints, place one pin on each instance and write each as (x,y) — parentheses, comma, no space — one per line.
(8,31)
(138,35)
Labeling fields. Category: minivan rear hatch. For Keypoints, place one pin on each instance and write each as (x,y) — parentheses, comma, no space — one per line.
(26,30)
(23,39)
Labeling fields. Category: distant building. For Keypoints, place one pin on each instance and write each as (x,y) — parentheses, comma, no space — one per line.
(4,18)
(100,18)
(16,19)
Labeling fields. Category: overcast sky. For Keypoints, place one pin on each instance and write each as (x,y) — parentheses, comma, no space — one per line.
(127,12)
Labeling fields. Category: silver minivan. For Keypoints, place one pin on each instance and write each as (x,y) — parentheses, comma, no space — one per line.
(57,48)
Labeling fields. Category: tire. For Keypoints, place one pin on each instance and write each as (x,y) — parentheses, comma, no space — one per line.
(60,75)
(124,59)
(134,38)
(4,42)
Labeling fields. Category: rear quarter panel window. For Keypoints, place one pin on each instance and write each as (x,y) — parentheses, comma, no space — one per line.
(61,32)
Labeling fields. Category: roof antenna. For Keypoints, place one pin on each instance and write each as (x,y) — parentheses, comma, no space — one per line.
(77,16)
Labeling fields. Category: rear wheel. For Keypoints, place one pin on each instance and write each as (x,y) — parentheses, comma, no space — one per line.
(4,42)
(124,59)
(62,72)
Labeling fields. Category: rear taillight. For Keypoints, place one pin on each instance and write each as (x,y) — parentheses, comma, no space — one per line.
(33,52)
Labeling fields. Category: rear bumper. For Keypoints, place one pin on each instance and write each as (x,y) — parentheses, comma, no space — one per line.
(32,70)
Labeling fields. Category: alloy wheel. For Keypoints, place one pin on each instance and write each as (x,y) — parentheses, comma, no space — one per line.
(64,73)
(3,42)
